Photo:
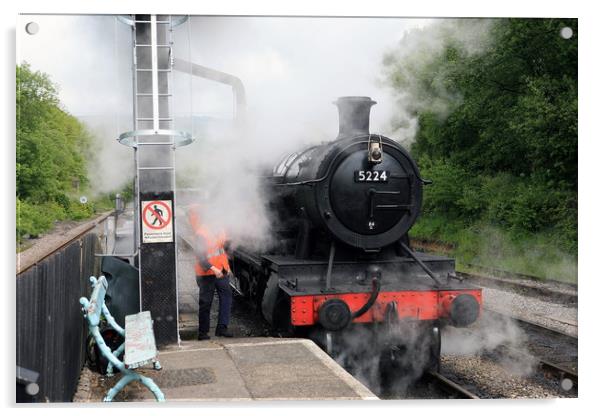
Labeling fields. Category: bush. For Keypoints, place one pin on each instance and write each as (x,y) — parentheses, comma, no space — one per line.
(446,192)
(497,128)
(79,211)
(33,219)
(538,254)
(519,205)
(51,149)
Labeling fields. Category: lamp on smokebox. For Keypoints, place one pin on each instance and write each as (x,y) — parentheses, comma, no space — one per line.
(375,151)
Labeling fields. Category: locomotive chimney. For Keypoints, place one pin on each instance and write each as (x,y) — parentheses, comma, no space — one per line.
(354,116)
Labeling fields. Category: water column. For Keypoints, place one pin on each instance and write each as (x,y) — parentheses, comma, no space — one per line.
(154,142)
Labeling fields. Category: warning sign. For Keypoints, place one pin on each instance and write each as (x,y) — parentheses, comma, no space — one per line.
(157,222)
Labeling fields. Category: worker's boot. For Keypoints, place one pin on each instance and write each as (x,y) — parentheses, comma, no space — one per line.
(222,331)
(203,336)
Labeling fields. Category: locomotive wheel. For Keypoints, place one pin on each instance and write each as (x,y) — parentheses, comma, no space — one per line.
(393,366)
(404,363)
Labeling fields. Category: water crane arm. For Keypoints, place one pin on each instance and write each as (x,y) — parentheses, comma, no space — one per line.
(222,77)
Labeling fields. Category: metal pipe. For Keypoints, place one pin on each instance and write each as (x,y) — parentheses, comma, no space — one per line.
(155,74)
(371,299)
(330,262)
(424,266)
(218,76)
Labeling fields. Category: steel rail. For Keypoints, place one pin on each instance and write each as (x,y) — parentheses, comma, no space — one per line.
(557,295)
(516,275)
(451,386)
(532,324)
(547,367)
(559,371)
(544,365)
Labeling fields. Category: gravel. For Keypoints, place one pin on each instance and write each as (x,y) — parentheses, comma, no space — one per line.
(552,315)
(489,378)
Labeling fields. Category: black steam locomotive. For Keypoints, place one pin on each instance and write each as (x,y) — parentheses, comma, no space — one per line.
(342,212)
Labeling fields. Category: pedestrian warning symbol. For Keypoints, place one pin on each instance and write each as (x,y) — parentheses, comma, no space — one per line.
(157,222)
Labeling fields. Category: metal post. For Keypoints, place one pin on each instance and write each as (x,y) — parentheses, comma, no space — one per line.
(155,72)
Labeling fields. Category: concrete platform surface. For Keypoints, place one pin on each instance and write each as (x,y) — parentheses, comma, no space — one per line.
(248,369)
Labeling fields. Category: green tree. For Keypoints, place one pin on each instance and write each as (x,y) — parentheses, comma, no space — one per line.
(51,147)
(497,123)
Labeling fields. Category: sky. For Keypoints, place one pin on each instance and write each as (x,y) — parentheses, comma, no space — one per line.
(292,69)
(303,63)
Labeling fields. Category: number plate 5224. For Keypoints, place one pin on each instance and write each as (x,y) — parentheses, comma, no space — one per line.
(371,175)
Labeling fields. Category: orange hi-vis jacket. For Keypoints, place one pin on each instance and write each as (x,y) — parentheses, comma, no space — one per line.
(214,247)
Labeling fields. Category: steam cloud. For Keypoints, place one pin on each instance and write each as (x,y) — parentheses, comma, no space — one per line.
(292,68)
(385,372)
(89,59)
(291,81)
(496,337)
(490,333)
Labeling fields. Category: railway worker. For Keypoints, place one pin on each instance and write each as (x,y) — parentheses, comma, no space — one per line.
(212,272)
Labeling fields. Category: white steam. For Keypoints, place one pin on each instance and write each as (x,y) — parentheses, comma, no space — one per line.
(292,69)
(388,359)
(89,59)
(488,335)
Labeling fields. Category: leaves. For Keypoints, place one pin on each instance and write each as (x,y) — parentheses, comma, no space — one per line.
(497,123)
(51,145)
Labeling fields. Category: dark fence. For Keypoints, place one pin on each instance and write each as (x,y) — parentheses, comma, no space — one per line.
(51,333)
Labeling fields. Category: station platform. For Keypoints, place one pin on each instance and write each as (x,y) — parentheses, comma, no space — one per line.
(242,369)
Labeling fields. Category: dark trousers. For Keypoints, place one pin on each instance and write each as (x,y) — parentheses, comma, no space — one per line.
(207,287)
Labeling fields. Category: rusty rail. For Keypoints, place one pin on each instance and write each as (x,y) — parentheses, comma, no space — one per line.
(451,386)
(527,289)
(499,273)
(545,366)
(533,325)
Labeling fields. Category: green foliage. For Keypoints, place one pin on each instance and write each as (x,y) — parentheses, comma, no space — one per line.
(51,163)
(479,243)
(497,131)
(512,108)
(34,219)
(50,142)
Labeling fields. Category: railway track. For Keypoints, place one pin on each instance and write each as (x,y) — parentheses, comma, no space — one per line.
(514,275)
(556,351)
(449,386)
(565,379)
(564,294)
(548,358)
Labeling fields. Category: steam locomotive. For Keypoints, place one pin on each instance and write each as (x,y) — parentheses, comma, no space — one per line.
(342,212)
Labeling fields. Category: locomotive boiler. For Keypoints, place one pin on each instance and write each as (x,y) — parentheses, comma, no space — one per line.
(341,215)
